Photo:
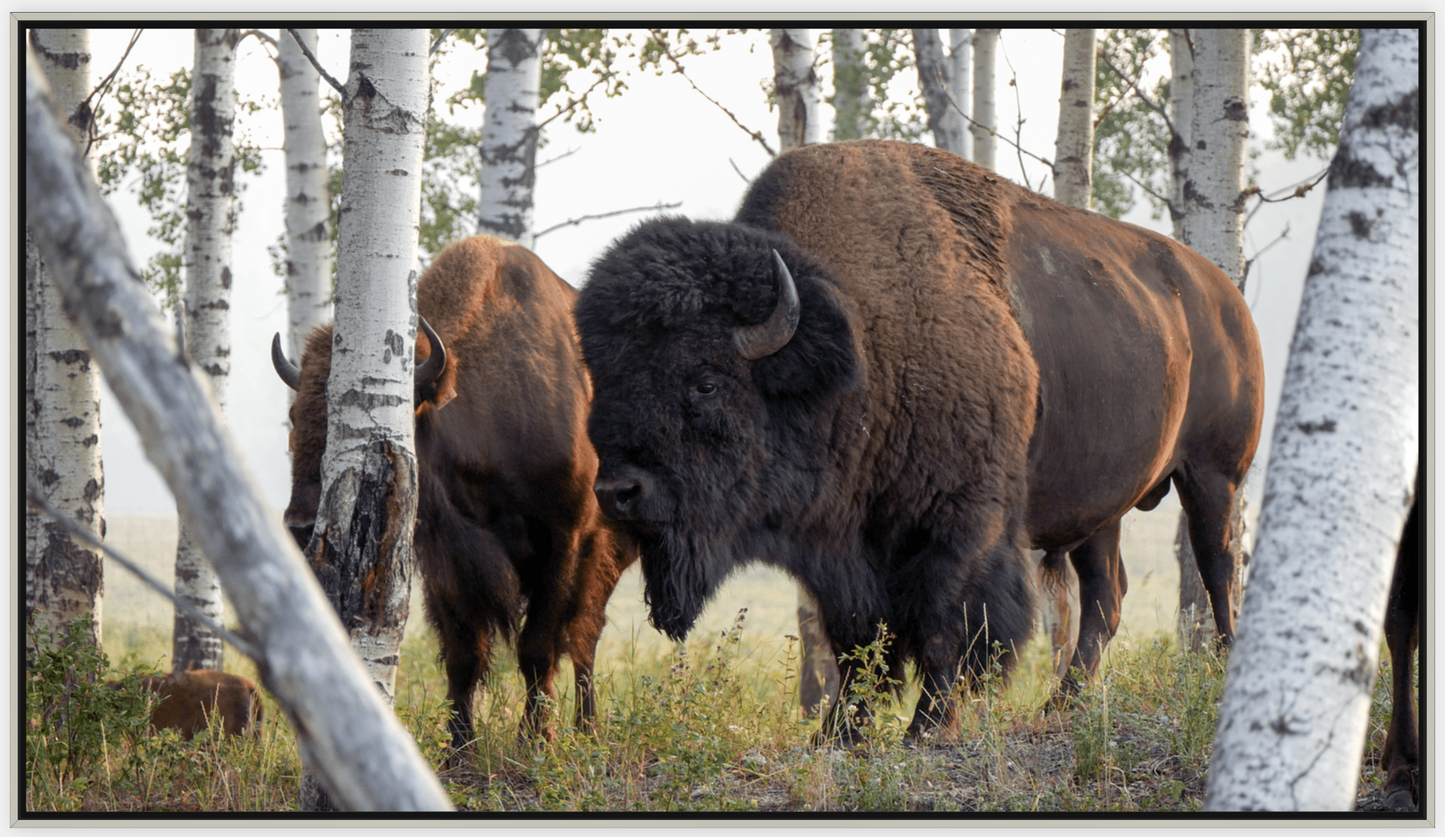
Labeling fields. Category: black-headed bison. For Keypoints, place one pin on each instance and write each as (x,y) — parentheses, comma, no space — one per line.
(188,699)
(507,522)
(940,370)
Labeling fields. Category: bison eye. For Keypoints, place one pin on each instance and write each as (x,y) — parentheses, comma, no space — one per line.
(705,388)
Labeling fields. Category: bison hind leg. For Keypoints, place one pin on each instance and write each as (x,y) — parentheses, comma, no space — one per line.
(1401,757)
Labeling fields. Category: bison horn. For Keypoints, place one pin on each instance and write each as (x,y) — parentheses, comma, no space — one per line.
(759,341)
(436,361)
(285,368)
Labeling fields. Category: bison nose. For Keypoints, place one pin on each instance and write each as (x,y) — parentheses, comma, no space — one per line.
(619,498)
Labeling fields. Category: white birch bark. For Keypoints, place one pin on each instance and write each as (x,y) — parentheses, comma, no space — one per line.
(210,213)
(63,578)
(1181,114)
(1214,188)
(933,79)
(362,547)
(1296,704)
(1074,150)
(1213,203)
(797,88)
(509,133)
(308,195)
(367,760)
(985,120)
(960,56)
(851,103)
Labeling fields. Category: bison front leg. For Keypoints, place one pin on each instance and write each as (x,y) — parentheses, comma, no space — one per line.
(465,652)
(1102,585)
(600,571)
(1401,757)
(845,720)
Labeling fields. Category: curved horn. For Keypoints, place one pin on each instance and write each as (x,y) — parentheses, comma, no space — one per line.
(436,361)
(290,375)
(759,341)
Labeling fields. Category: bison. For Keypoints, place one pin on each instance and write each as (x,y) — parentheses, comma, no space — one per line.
(188,699)
(890,375)
(506,519)
(1400,758)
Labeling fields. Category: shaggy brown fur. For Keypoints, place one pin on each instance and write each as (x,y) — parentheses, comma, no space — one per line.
(1149,364)
(506,518)
(975,369)
(880,456)
(188,699)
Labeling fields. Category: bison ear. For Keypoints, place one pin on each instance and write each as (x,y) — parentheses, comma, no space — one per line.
(820,358)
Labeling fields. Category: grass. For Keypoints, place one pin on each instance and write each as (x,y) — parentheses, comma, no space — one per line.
(710,725)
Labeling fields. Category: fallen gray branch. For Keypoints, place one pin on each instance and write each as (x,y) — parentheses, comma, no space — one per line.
(303,654)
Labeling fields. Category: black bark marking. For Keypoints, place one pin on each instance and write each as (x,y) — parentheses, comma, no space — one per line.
(1311,428)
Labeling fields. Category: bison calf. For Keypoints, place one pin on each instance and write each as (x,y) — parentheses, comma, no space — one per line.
(189,698)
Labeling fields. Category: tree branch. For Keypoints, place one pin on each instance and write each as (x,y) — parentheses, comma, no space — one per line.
(1019,125)
(36,499)
(98,94)
(738,170)
(1134,85)
(437,45)
(953,104)
(306,51)
(572,104)
(1296,190)
(572,222)
(662,41)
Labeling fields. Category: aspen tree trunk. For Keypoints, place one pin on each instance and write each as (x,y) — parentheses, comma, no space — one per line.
(1074,151)
(1181,114)
(509,133)
(1296,704)
(63,578)
(362,547)
(933,79)
(960,56)
(300,650)
(308,195)
(1213,225)
(851,104)
(985,122)
(211,218)
(797,86)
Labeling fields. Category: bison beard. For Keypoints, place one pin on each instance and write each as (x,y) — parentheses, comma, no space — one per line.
(679,579)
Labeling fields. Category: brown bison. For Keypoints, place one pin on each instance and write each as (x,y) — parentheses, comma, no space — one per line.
(1401,757)
(506,519)
(890,375)
(188,700)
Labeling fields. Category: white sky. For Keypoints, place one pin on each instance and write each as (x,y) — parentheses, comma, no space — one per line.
(661,141)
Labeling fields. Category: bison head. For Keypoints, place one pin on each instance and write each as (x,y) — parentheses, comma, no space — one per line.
(434,386)
(720,355)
